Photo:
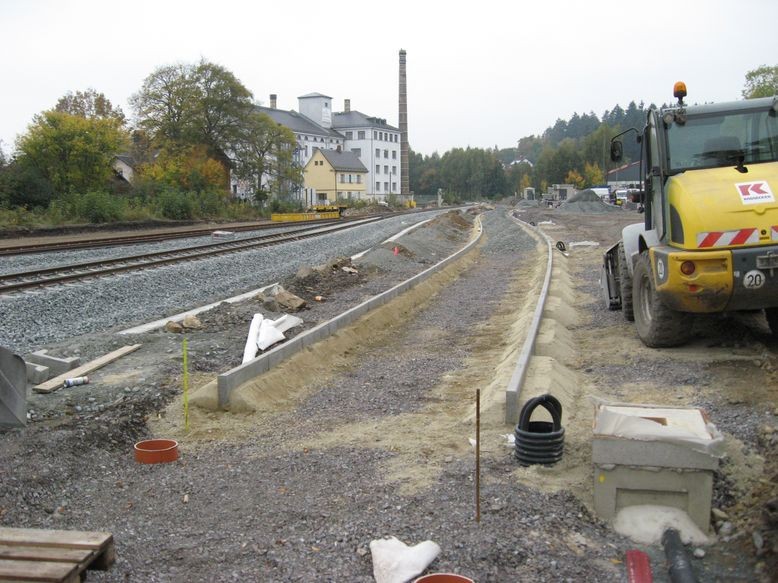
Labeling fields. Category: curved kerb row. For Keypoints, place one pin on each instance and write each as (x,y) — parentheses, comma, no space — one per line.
(232,379)
(513,390)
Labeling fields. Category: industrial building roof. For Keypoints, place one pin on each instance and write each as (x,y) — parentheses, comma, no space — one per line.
(357,119)
(345,161)
(297,122)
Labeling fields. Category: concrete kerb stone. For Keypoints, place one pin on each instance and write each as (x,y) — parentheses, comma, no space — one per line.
(36,373)
(57,366)
(513,390)
(232,379)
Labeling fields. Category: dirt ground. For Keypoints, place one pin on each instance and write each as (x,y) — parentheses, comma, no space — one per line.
(368,433)
(729,369)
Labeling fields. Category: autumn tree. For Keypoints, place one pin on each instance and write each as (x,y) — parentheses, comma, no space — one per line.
(203,104)
(574,177)
(190,169)
(761,82)
(70,152)
(266,149)
(89,104)
(592,174)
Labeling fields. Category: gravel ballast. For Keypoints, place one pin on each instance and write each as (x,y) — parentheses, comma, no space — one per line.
(377,447)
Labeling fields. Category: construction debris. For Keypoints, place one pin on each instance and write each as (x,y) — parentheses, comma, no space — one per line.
(263,333)
(396,562)
(191,322)
(57,382)
(174,327)
(250,350)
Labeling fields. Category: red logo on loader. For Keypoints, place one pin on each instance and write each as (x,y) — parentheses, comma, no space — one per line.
(753,188)
(755,192)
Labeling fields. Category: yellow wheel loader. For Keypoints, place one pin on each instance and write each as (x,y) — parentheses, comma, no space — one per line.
(709,241)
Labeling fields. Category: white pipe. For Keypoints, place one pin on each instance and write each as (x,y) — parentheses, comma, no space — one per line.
(250,351)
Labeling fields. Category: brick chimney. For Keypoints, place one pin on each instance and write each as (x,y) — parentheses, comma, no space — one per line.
(273,99)
(346,105)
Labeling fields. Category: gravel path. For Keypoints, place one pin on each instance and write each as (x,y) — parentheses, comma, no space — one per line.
(270,509)
(33,319)
(299,491)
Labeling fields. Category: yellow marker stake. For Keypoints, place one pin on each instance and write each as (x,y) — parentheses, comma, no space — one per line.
(186,388)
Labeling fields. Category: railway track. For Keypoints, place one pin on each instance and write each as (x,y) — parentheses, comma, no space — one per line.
(15,282)
(25,249)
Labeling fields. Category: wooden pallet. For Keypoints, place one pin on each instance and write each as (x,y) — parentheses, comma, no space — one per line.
(59,556)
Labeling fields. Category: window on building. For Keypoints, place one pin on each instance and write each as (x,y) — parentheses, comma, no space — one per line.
(359,179)
(377,153)
(386,186)
(350,179)
(377,169)
(394,169)
(378,186)
(386,169)
(386,153)
(375,135)
(394,154)
(394,187)
(357,152)
(349,135)
(342,178)
(361,135)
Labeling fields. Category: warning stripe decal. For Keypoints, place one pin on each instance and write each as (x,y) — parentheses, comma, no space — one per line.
(775,233)
(727,238)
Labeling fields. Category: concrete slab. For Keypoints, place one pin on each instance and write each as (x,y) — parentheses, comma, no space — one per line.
(616,487)
(646,454)
(57,366)
(36,373)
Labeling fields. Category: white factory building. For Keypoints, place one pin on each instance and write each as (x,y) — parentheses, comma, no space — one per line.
(375,143)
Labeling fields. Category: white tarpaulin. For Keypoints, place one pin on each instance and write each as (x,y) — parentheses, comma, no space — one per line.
(679,425)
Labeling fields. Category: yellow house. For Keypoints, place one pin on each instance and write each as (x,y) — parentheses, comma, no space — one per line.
(332,175)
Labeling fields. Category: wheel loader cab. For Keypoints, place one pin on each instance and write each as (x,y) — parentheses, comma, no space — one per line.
(709,240)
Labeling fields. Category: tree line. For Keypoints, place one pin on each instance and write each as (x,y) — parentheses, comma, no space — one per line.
(194,125)
(573,151)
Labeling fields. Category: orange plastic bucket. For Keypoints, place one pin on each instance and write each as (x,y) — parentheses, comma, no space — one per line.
(443,578)
(156,451)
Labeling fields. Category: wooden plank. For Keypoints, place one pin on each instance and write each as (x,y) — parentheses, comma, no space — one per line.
(41,537)
(105,559)
(37,571)
(56,554)
(56,383)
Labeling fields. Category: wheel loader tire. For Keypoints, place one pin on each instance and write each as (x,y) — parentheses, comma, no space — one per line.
(772,320)
(657,325)
(625,285)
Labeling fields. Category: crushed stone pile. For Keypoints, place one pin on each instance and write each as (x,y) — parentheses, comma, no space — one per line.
(586,201)
(523,203)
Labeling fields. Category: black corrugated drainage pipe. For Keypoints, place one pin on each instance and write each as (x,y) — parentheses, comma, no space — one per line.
(680,568)
(540,442)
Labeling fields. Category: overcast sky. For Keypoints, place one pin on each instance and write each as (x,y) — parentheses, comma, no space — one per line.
(480,73)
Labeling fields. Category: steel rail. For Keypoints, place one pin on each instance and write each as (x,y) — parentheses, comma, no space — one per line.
(93,269)
(139,239)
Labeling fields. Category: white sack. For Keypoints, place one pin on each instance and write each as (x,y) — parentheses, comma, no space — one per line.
(268,335)
(286,322)
(396,562)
